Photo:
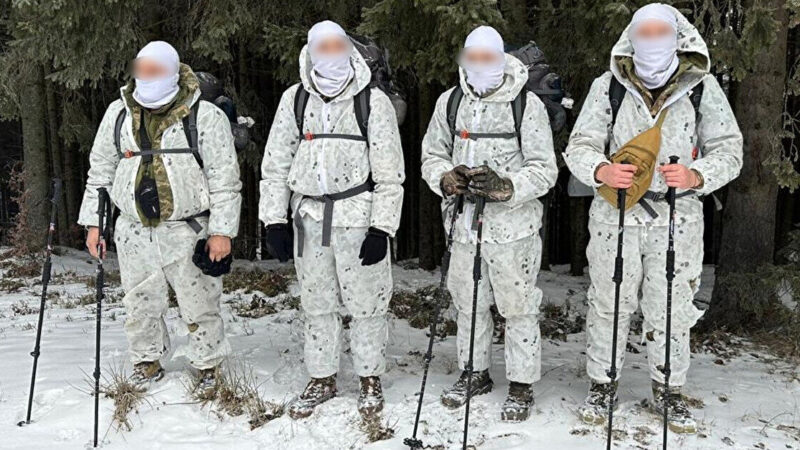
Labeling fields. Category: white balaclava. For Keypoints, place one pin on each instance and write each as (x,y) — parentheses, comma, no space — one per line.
(330,73)
(153,94)
(485,77)
(655,60)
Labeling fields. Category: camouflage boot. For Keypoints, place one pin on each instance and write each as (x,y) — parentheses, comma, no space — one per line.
(594,410)
(456,396)
(517,407)
(145,373)
(679,418)
(370,401)
(317,392)
(206,385)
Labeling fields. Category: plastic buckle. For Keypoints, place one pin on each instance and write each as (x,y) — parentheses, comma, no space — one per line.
(464,134)
(128,153)
(309,136)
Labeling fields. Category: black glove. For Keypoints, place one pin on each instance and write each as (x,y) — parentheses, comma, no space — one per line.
(485,182)
(279,241)
(373,250)
(454,182)
(209,267)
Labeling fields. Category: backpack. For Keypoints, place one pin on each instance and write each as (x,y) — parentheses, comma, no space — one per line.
(189,128)
(212,91)
(545,83)
(377,61)
(517,110)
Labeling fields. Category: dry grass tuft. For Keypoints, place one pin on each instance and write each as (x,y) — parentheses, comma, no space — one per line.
(260,306)
(417,307)
(236,392)
(376,430)
(269,283)
(116,384)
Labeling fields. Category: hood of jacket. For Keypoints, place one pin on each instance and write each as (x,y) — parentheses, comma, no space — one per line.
(361,74)
(691,47)
(514,79)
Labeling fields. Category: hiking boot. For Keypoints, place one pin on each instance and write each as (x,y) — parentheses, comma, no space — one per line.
(517,407)
(317,392)
(679,419)
(370,401)
(206,386)
(145,373)
(594,410)
(456,396)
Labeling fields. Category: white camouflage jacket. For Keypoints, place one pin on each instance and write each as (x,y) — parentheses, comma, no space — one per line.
(532,168)
(715,134)
(293,168)
(214,188)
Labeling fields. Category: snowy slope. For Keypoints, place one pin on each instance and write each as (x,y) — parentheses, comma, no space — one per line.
(751,400)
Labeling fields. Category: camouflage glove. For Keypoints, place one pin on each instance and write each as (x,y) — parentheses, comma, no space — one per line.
(485,182)
(455,181)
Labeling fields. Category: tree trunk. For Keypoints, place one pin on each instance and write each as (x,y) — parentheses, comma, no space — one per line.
(35,207)
(431,240)
(579,234)
(748,233)
(62,227)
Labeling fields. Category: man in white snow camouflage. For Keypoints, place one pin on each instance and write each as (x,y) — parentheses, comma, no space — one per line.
(662,65)
(483,152)
(343,179)
(168,201)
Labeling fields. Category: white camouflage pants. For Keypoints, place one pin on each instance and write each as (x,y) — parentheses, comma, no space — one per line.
(149,260)
(328,274)
(508,274)
(644,253)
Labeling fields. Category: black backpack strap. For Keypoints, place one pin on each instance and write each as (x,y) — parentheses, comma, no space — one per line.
(362,109)
(697,97)
(300,102)
(616,93)
(453,102)
(118,130)
(190,129)
(518,111)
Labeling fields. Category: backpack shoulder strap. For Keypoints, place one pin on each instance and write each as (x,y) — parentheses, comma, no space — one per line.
(697,98)
(453,103)
(118,130)
(616,93)
(190,129)
(300,102)
(362,109)
(518,110)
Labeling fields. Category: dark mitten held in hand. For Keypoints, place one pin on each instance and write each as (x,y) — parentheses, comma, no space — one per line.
(374,248)
(279,241)
(209,267)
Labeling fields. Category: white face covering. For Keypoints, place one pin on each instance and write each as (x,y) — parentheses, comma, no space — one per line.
(655,60)
(483,78)
(153,94)
(331,73)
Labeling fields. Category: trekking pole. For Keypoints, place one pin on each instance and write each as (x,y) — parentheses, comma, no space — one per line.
(670,277)
(45,281)
(617,279)
(476,278)
(103,207)
(413,442)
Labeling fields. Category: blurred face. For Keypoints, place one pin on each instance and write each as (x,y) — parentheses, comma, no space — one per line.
(147,69)
(652,30)
(480,57)
(331,46)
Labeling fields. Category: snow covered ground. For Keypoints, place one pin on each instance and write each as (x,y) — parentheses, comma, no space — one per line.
(748,400)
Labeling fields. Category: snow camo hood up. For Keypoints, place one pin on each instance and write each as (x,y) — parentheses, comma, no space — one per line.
(514,79)
(690,43)
(360,80)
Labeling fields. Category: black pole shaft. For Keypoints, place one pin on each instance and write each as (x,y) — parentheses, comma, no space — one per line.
(103,207)
(476,278)
(670,277)
(46,271)
(617,278)
(413,442)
